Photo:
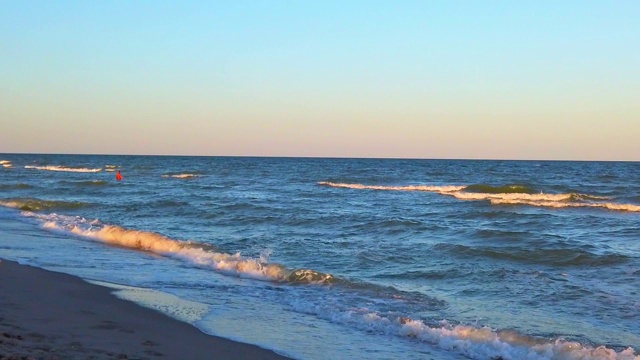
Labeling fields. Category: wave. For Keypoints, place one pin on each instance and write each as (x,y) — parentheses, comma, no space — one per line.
(506,189)
(557,257)
(93,183)
(15,186)
(504,198)
(63,168)
(6,163)
(201,255)
(181,176)
(110,168)
(429,188)
(89,183)
(553,204)
(470,341)
(31,204)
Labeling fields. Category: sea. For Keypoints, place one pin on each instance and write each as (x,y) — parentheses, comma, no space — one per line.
(337,258)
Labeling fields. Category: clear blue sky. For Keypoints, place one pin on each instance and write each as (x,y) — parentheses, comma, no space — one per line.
(416,79)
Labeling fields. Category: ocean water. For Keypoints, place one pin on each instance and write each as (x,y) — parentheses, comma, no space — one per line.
(348,258)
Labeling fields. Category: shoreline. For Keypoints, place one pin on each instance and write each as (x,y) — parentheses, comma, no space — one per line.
(51,315)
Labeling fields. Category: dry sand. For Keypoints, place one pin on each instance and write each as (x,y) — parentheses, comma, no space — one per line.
(49,315)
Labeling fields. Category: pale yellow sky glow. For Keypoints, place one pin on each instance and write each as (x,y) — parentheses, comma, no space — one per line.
(409,80)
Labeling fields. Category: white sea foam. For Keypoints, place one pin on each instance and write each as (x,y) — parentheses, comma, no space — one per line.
(197,254)
(541,200)
(470,341)
(181,176)
(554,204)
(63,168)
(6,163)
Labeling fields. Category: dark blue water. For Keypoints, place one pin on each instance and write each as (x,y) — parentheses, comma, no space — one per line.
(349,258)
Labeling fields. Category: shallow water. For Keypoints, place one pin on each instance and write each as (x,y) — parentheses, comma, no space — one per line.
(351,258)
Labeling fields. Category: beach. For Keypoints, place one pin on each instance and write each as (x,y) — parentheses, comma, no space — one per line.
(50,315)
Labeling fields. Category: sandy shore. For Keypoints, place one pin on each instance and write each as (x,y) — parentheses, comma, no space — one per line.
(49,315)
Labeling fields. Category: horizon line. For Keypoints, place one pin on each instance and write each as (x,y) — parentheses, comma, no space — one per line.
(315,157)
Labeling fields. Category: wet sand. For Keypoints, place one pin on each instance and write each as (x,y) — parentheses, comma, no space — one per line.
(49,315)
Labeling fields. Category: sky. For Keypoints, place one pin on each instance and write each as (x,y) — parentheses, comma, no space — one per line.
(544,80)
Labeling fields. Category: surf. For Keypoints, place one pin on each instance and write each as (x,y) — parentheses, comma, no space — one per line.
(513,195)
(198,254)
(63,168)
(470,341)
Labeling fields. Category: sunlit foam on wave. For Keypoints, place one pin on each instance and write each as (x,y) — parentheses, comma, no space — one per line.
(202,255)
(470,341)
(181,176)
(603,205)
(508,198)
(63,168)
(6,163)
(473,342)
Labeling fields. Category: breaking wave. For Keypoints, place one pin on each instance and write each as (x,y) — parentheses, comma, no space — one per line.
(201,255)
(507,189)
(511,196)
(473,342)
(554,204)
(6,163)
(63,168)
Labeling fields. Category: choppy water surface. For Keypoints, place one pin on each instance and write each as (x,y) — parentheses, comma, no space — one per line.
(349,258)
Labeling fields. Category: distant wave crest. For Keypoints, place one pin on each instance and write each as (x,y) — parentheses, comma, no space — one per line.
(63,168)
(181,176)
(512,195)
(430,188)
(506,189)
(87,183)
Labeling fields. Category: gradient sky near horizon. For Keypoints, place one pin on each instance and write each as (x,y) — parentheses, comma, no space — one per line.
(402,79)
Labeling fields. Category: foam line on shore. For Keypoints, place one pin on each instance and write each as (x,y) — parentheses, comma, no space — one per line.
(51,315)
(171,305)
